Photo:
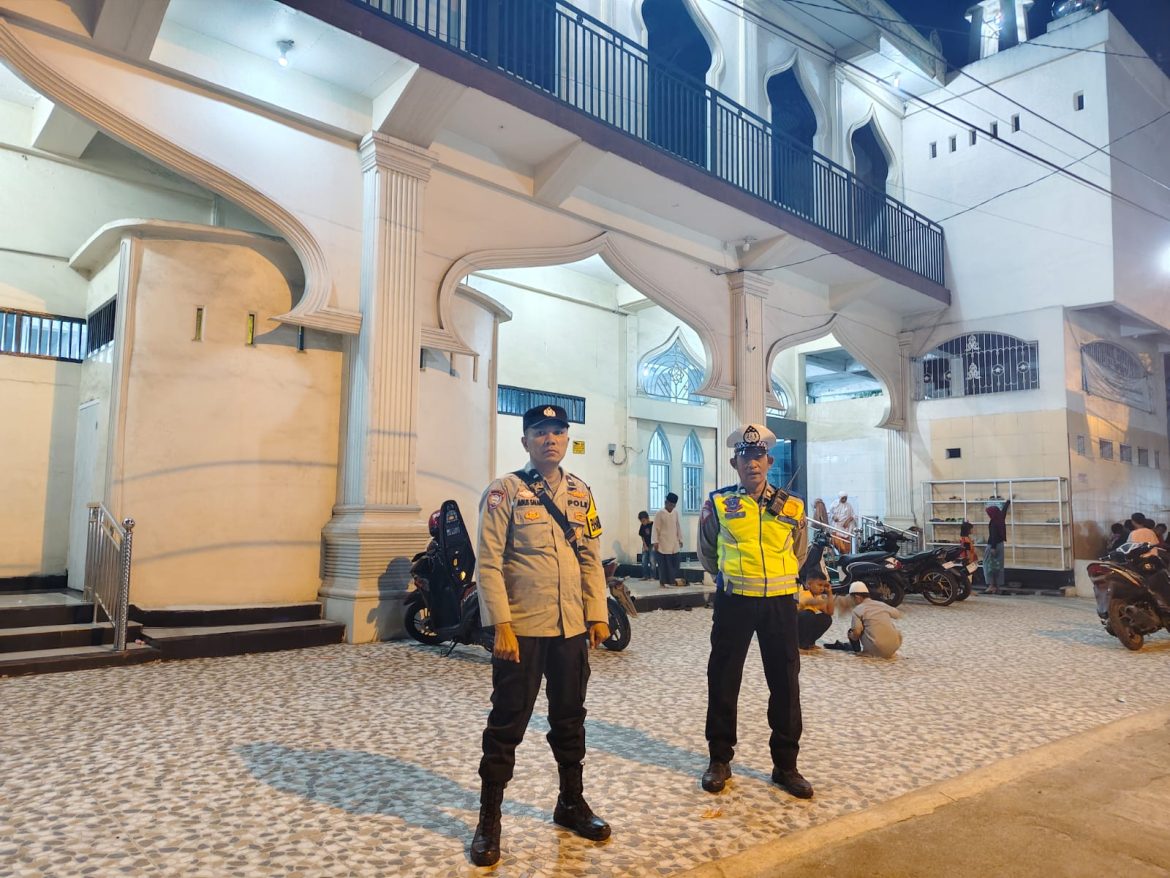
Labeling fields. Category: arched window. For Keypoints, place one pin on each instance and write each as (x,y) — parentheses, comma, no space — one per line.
(692,498)
(794,126)
(978,363)
(1111,372)
(872,168)
(658,457)
(679,59)
(672,372)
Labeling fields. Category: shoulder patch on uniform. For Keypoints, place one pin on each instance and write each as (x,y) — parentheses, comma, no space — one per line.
(494,499)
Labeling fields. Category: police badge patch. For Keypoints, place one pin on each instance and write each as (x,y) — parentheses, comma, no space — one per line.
(494,499)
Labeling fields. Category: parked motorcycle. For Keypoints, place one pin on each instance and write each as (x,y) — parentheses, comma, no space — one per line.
(874,568)
(1126,604)
(953,561)
(924,573)
(621,607)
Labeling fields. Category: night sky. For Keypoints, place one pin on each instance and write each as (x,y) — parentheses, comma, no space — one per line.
(1147,20)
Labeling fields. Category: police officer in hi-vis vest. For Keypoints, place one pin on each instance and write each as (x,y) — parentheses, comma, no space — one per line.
(542,586)
(752,539)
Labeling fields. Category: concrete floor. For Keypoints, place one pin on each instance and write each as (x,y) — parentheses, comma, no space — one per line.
(361,760)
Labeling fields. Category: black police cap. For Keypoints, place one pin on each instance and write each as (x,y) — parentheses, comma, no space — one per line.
(540,414)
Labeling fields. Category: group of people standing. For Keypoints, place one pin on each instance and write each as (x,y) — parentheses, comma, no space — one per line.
(542,587)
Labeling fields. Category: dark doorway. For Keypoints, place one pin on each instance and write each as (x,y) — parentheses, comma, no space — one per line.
(679,59)
(794,128)
(790,455)
(869,202)
(519,36)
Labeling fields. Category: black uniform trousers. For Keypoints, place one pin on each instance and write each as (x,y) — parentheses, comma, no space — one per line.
(515,685)
(773,620)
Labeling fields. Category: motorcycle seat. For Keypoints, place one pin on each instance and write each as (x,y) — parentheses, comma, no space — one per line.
(918,557)
(872,557)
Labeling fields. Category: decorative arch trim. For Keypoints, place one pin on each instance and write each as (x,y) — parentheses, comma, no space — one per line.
(894,174)
(446,338)
(715,73)
(313,309)
(802,69)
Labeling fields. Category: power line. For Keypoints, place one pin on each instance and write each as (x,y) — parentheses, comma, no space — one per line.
(768,24)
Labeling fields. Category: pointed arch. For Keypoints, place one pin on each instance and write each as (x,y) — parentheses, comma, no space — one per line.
(893,175)
(715,72)
(692,480)
(805,77)
(658,459)
(446,338)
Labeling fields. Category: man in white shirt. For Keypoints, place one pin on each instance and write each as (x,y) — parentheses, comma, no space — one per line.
(872,631)
(666,537)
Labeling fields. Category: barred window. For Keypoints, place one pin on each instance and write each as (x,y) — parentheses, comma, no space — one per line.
(672,372)
(517,400)
(100,326)
(1105,449)
(1143,457)
(1111,372)
(692,498)
(45,336)
(658,458)
(975,364)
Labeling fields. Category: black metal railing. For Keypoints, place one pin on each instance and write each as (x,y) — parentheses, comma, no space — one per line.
(566,53)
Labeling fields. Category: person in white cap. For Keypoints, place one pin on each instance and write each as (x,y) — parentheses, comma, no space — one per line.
(752,540)
(841,514)
(873,631)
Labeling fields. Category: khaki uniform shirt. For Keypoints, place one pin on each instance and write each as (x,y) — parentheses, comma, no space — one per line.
(529,575)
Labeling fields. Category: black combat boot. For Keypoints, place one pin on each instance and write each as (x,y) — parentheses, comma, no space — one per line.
(485,847)
(572,811)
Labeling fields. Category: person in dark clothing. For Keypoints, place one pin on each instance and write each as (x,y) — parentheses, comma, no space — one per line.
(644,530)
(1117,537)
(996,537)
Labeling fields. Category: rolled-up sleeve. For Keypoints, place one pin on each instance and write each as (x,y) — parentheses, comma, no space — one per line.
(495,517)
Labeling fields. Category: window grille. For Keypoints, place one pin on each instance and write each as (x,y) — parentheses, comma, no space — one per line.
(658,458)
(673,374)
(1082,446)
(1143,457)
(1105,449)
(1125,453)
(45,336)
(975,364)
(517,400)
(1111,372)
(692,498)
(101,326)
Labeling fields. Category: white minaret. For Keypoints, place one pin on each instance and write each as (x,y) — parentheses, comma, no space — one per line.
(997,24)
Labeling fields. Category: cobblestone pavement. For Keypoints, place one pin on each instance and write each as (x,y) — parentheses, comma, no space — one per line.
(362,760)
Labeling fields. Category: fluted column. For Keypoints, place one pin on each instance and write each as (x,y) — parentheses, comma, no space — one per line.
(376,525)
(748,292)
(899,462)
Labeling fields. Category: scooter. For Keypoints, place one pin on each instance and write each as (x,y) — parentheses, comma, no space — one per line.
(953,561)
(620,604)
(877,569)
(1126,604)
(444,605)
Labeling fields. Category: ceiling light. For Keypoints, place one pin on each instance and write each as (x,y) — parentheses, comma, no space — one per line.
(285,46)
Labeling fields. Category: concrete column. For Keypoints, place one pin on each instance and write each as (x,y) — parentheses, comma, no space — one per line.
(376,526)
(899,461)
(748,292)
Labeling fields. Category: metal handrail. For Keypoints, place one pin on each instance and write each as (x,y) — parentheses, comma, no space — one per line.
(108,550)
(841,532)
(871,524)
(561,51)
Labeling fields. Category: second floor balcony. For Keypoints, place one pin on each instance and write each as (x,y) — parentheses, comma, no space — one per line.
(563,53)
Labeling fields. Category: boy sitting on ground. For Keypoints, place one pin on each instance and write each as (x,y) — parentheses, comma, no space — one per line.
(815,614)
(873,631)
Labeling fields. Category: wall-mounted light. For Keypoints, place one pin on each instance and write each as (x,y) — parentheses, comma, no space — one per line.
(284,47)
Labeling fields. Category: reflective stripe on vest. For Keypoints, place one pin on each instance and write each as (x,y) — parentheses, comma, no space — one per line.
(756,556)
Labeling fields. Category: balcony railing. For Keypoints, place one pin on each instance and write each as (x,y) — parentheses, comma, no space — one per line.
(567,54)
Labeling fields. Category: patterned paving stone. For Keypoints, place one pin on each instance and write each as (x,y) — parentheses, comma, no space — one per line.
(361,760)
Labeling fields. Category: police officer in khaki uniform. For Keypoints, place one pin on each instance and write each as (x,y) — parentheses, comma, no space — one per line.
(542,586)
(752,539)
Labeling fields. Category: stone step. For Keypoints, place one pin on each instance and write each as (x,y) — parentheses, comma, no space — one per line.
(48,661)
(208,641)
(35,615)
(211,616)
(69,636)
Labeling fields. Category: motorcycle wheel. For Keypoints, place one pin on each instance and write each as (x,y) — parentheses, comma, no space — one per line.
(1122,629)
(964,587)
(417,621)
(939,587)
(886,589)
(619,627)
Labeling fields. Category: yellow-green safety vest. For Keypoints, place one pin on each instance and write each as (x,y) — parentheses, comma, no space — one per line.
(757,554)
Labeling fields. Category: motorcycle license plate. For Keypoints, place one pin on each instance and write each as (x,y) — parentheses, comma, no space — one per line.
(972,567)
(947,565)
